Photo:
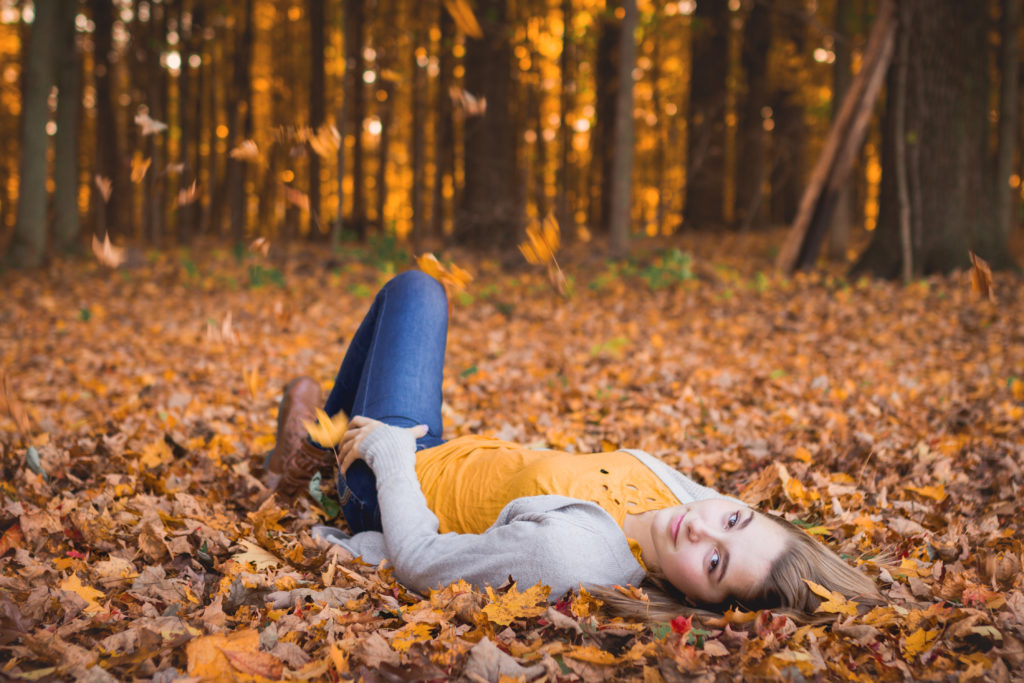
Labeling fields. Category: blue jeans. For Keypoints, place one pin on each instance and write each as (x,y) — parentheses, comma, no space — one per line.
(392,372)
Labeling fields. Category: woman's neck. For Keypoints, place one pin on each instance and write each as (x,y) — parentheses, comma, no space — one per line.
(638,527)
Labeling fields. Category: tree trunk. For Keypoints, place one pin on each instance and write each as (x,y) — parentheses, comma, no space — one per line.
(109,215)
(29,244)
(622,169)
(790,133)
(66,223)
(491,210)
(156,81)
(1009,117)
(705,153)
(386,111)
(418,143)
(842,76)
(602,149)
(355,65)
(946,141)
(241,125)
(566,197)
(317,106)
(444,134)
(751,171)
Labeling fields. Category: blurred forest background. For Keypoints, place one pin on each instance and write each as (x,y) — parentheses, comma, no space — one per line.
(460,122)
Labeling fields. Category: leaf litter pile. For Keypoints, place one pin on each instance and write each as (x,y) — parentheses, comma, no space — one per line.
(136,406)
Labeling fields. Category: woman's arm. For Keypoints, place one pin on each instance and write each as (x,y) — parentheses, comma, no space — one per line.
(557,541)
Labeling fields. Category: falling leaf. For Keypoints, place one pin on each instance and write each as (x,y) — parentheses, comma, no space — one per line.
(260,245)
(149,125)
(74,584)
(465,20)
(174,168)
(246,151)
(297,198)
(512,605)
(469,103)
(107,253)
(189,194)
(542,242)
(140,165)
(327,431)
(981,278)
(104,185)
(834,602)
(451,276)
(325,141)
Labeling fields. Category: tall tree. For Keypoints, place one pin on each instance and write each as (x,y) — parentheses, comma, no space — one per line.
(606,81)
(66,224)
(29,244)
(110,214)
(355,66)
(842,78)
(565,194)
(705,153)
(241,122)
(752,162)
(619,227)
(418,143)
(945,145)
(317,104)
(789,135)
(490,211)
(444,133)
(1009,114)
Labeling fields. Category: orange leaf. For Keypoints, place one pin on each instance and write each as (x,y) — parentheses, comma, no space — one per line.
(936,493)
(107,253)
(464,18)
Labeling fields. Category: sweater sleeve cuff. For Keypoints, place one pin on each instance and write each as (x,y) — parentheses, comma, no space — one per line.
(389,450)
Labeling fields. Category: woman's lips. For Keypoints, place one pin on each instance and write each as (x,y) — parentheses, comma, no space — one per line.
(676,524)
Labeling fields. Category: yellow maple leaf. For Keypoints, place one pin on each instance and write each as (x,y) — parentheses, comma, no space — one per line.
(155,454)
(585,604)
(504,609)
(936,493)
(327,431)
(261,558)
(74,585)
(409,634)
(594,655)
(919,641)
(833,602)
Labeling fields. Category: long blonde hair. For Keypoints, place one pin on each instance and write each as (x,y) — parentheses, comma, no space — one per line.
(784,590)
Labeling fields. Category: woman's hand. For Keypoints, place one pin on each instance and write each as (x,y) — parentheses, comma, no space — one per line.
(359,427)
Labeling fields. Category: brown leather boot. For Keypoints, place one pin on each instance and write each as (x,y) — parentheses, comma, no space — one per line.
(300,467)
(301,397)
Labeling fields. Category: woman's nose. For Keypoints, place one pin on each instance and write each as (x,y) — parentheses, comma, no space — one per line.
(695,528)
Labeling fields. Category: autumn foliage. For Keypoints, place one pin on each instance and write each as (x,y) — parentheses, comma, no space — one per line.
(136,404)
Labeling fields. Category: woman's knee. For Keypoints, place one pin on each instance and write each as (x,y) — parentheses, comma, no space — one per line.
(417,285)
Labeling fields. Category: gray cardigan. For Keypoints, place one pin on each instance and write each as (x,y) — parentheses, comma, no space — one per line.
(558,541)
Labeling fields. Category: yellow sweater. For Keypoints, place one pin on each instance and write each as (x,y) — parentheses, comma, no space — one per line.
(468,481)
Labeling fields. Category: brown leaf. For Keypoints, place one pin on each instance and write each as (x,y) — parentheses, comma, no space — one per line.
(981,278)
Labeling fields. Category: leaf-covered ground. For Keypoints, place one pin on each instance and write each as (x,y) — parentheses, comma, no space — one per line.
(136,540)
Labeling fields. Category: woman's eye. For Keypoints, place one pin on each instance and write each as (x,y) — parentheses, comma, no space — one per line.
(714,562)
(734,519)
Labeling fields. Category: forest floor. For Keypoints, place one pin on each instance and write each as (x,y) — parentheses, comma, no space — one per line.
(136,541)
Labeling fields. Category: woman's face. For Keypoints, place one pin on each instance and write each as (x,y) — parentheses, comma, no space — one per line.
(715,549)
